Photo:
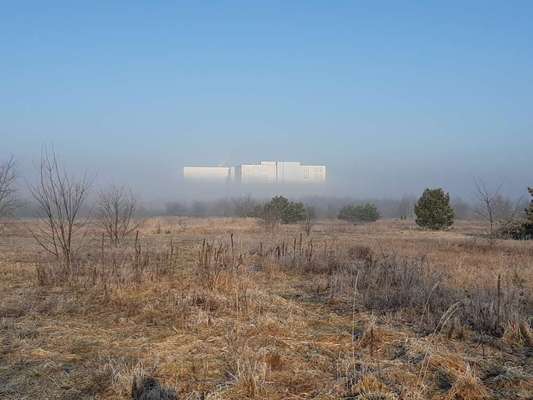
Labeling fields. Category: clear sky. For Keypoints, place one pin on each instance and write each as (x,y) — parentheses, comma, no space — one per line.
(392,96)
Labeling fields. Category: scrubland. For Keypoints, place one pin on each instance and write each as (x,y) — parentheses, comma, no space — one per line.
(226,309)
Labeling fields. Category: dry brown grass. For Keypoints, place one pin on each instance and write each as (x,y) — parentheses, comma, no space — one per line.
(379,311)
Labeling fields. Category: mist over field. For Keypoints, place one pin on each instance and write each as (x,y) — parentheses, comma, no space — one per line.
(158,178)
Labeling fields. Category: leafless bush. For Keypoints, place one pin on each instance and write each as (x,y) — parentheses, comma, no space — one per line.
(245,206)
(116,212)
(60,198)
(115,266)
(495,209)
(7,187)
(487,204)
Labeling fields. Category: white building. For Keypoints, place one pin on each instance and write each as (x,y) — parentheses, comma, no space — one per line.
(209,174)
(294,172)
(266,172)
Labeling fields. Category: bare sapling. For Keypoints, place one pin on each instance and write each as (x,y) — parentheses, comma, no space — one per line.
(60,198)
(309,221)
(487,205)
(7,187)
(116,214)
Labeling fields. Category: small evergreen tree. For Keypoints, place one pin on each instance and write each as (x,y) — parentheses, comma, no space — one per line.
(433,210)
(280,209)
(359,213)
(294,212)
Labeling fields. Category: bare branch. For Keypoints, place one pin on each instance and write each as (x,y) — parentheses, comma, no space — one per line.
(489,201)
(7,187)
(116,211)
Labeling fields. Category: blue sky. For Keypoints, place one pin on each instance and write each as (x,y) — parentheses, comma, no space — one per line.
(392,96)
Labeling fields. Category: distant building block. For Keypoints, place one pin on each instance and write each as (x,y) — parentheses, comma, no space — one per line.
(266,172)
(213,174)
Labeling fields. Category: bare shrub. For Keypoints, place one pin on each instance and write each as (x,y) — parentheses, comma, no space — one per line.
(246,206)
(116,212)
(493,208)
(7,187)
(117,267)
(60,198)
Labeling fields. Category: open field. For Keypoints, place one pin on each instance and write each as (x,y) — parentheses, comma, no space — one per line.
(224,309)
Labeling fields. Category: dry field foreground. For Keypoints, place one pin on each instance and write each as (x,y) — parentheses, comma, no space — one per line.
(222,309)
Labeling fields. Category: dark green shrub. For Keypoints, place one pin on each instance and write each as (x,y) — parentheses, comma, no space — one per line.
(433,210)
(280,209)
(359,213)
(294,212)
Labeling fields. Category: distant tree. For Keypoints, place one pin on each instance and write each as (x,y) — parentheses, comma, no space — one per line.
(367,212)
(7,187)
(176,208)
(310,216)
(60,198)
(278,204)
(433,210)
(281,210)
(116,211)
(245,206)
(493,207)
(293,213)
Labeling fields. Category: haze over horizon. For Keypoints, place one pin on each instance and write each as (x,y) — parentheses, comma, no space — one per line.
(392,97)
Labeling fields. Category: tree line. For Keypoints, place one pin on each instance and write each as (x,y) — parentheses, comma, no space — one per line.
(59,200)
